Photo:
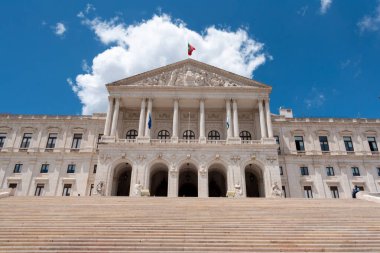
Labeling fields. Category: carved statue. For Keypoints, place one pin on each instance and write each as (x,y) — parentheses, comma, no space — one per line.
(138,188)
(100,188)
(276,191)
(238,190)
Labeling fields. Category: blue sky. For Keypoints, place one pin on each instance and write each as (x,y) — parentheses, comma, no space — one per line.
(320,56)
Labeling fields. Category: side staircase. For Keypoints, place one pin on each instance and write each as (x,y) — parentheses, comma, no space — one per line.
(123,224)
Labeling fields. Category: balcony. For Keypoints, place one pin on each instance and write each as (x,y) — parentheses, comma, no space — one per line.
(188,141)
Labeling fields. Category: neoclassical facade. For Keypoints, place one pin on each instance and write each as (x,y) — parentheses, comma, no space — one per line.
(188,130)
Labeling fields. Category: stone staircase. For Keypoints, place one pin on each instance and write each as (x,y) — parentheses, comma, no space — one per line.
(122,224)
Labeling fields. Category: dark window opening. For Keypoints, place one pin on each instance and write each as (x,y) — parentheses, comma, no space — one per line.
(213,135)
(76,141)
(163,135)
(300,146)
(51,141)
(348,143)
(324,143)
(26,141)
(131,134)
(17,168)
(189,135)
(245,135)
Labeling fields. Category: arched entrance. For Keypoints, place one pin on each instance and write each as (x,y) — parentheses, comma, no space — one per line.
(217,183)
(158,183)
(254,184)
(122,180)
(188,181)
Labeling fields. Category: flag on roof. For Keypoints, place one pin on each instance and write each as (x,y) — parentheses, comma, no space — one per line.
(190,49)
(150,121)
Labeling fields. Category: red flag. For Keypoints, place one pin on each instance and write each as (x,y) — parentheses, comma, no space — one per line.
(190,49)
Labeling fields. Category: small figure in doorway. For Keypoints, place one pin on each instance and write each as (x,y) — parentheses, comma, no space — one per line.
(355,191)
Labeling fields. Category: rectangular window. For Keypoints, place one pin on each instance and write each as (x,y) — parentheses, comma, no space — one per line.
(12,185)
(334,192)
(283,191)
(330,171)
(95,168)
(71,168)
(17,168)
(66,190)
(44,168)
(355,171)
(378,171)
(76,141)
(277,138)
(308,192)
(99,139)
(304,171)
(281,171)
(91,188)
(39,189)
(51,141)
(324,143)
(372,144)
(3,136)
(26,141)
(348,143)
(361,188)
(300,146)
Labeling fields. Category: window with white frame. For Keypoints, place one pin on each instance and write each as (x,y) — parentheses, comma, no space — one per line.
(308,192)
(372,144)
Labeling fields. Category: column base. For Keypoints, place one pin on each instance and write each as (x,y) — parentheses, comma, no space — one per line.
(267,140)
(108,139)
(202,140)
(174,139)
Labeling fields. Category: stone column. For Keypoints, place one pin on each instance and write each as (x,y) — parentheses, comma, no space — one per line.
(141,121)
(149,112)
(107,126)
(202,135)
(173,183)
(262,120)
(115,116)
(228,118)
(269,119)
(175,120)
(236,119)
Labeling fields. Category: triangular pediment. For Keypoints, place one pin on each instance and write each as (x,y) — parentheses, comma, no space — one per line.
(189,73)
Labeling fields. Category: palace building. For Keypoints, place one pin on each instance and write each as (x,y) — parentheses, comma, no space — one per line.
(188,130)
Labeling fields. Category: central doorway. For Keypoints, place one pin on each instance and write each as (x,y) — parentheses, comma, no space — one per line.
(188,181)
(122,180)
(217,183)
(254,181)
(158,183)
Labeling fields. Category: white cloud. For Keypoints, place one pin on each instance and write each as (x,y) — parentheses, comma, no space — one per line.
(371,22)
(302,11)
(315,99)
(157,42)
(325,5)
(85,67)
(59,29)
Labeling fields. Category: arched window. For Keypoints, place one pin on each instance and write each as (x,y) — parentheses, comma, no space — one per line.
(213,135)
(245,135)
(131,134)
(163,134)
(188,135)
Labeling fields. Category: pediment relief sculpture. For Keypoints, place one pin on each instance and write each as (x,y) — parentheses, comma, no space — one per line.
(189,73)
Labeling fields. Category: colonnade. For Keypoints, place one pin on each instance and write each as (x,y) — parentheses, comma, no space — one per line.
(232,118)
